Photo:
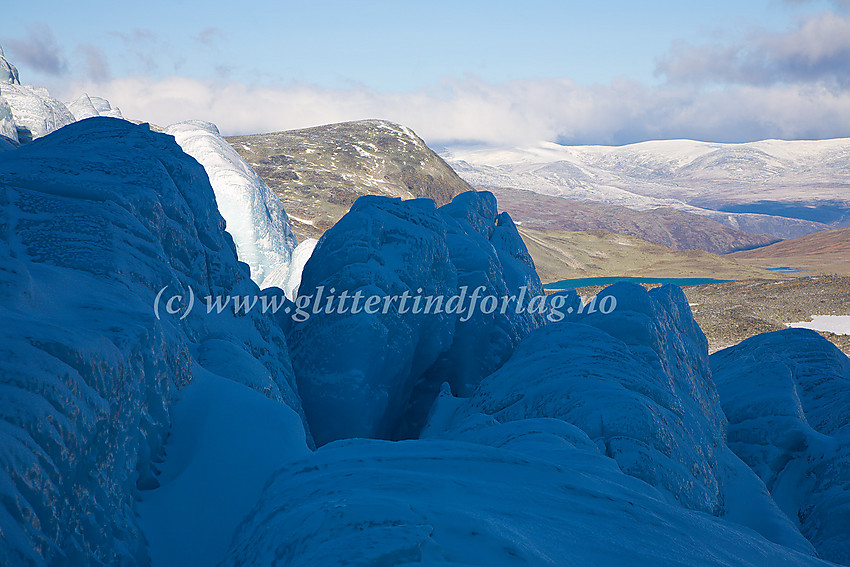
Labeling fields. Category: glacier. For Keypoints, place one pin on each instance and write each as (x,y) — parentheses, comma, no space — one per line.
(637,382)
(28,112)
(385,369)
(526,493)
(288,276)
(787,396)
(8,72)
(35,112)
(96,218)
(254,214)
(8,131)
(86,106)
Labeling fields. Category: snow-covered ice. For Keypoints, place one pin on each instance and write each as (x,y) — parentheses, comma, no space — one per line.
(356,370)
(226,440)
(288,276)
(254,214)
(535,492)
(384,369)
(28,112)
(8,72)
(35,112)
(86,106)
(787,397)
(8,131)
(96,218)
(636,381)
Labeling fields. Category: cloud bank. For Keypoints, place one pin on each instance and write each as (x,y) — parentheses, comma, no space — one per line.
(471,110)
(793,85)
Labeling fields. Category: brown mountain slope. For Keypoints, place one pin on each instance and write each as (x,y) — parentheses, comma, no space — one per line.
(677,229)
(826,252)
(319,172)
(562,255)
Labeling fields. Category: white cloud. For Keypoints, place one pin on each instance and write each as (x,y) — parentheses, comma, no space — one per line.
(514,113)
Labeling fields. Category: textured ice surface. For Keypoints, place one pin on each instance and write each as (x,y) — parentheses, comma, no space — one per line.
(375,375)
(36,113)
(288,276)
(254,214)
(638,385)
(89,106)
(533,492)
(8,72)
(8,132)
(225,442)
(95,219)
(637,382)
(787,397)
(27,112)
(487,252)
(357,370)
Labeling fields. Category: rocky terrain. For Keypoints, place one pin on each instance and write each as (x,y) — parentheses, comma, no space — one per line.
(674,228)
(562,255)
(824,252)
(729,313)
(319,172)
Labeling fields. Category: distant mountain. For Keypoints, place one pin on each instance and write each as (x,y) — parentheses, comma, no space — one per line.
(825,252)
(319,172)
(784,188)
(670,227)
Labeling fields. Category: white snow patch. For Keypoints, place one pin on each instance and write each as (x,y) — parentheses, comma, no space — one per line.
(302,221)
(837,324)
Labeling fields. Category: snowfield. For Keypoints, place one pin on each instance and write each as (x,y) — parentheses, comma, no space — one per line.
(838,324)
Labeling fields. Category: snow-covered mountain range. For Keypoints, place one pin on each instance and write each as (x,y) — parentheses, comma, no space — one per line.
(784,188)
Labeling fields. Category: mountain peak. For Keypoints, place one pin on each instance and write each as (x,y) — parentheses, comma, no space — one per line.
(319,172)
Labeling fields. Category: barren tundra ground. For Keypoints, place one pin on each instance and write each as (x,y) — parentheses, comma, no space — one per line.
(730,312)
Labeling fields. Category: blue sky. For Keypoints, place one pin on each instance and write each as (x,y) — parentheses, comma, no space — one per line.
(498,72)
